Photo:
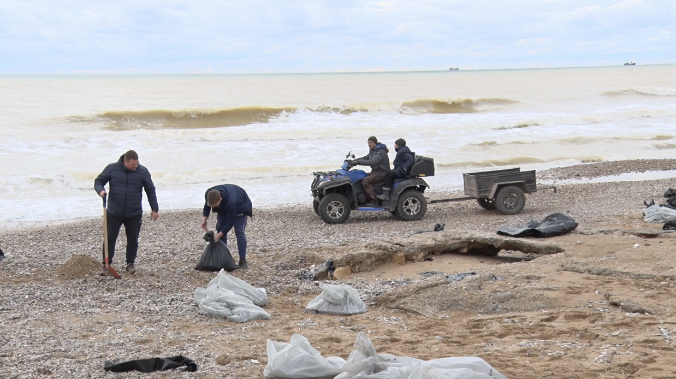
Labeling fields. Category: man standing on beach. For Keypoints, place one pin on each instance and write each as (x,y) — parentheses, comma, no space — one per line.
(127,180)
(380,165)
(233,206)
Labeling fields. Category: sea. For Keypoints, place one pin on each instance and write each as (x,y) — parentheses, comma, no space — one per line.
(268,133)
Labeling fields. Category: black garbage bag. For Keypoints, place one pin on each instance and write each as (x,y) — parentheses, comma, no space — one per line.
(670,193)
(152,364)
(2,255)
(669,225)
(216,256)
(671,202)
(555,224)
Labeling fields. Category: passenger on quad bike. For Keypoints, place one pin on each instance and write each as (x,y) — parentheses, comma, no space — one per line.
(402,164)
(380,165)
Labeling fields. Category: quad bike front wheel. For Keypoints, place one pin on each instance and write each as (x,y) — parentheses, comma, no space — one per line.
(412,205)
(334,208)
(315,206)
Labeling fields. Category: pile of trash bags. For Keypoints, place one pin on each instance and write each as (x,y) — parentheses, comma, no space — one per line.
(337,299)
(662,213)
(298,359)
(232,298)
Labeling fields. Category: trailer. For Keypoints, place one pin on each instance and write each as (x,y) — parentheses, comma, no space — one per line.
(503,190)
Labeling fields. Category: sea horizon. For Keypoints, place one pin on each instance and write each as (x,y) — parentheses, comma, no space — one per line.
(132,72)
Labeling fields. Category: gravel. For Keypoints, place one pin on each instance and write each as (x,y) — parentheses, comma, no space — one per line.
(59,318)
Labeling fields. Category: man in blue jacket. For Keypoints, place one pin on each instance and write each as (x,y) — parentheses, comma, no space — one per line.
(402,166)
(233,206)
(127,180)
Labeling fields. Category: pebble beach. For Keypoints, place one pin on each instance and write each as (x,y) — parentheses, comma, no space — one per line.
(544,316)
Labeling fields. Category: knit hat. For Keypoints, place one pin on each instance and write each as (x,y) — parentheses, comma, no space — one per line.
(373,139)
(400,142)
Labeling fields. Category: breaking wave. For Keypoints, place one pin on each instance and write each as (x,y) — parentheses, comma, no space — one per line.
(664,146)
(519,126)
(650,92)
(431,106)
(493,162)
(189,119)
(202,119)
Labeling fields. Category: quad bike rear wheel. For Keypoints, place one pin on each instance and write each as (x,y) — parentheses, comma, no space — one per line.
(412,205)
(334,208)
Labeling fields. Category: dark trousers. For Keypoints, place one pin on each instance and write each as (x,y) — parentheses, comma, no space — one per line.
(391,176)
(240,225)
(132,227)
(368,182)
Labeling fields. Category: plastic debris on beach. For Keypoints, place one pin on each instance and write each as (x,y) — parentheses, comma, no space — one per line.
(299,359)
(216,256)
(458,277)
(152,364)
(659,214)
(337,299)
(232,298)
(437,228)
(555,224)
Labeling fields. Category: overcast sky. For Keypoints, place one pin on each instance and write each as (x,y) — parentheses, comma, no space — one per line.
(183,36)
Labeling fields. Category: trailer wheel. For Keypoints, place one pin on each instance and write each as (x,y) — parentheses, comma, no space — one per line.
(486,203)
(315,206)
(411,205)
(510,200)
(334,208)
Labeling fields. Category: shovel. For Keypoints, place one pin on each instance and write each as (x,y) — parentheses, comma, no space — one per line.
(105,242)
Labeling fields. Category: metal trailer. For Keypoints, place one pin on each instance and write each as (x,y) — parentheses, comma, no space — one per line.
(503,190)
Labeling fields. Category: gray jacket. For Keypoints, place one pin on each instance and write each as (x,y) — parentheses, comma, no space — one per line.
(377,158)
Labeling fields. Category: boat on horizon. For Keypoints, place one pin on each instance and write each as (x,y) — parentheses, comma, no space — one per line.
(453,69)
(630,63)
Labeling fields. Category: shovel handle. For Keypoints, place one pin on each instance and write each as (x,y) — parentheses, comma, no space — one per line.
(104,200)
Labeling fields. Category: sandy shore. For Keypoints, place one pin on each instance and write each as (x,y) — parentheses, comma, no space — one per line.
(600,309)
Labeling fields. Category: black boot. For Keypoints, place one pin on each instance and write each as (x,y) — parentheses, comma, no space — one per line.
(385,195)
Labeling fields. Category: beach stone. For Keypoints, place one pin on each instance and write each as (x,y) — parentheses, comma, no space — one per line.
(399,259)
(342,272)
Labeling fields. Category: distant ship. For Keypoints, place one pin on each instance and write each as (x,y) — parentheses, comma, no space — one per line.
(630,63)
(453,69)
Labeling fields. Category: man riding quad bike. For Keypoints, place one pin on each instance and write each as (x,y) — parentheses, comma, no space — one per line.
(337,193)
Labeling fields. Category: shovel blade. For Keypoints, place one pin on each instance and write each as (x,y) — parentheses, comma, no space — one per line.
(112,271)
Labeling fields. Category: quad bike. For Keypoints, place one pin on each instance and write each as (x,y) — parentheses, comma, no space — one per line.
(337,193)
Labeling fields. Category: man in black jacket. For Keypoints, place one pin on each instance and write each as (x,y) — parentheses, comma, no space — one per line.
(127,180)
(232,206)
(402,166)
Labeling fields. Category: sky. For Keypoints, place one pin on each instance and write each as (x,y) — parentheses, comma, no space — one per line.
(197,36)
